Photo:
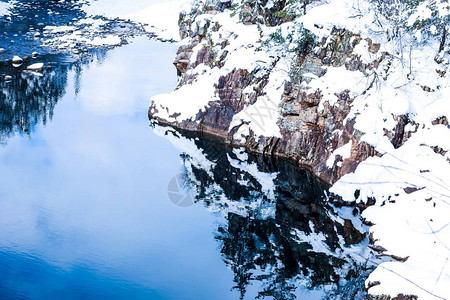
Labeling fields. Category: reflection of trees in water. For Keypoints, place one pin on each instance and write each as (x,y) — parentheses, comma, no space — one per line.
(302,244)
(28,100)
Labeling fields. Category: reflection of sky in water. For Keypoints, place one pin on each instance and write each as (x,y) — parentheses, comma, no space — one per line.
(83,202)
(124,83)
(84,210)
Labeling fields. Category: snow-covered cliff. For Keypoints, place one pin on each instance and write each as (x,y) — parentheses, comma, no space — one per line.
(357,90)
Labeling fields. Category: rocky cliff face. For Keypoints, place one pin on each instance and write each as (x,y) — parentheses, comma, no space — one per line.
(311,128)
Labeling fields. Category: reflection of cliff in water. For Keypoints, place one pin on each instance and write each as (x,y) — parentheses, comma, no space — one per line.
(280,233)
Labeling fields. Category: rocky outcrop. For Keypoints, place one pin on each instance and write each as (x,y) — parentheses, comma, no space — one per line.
(311,128)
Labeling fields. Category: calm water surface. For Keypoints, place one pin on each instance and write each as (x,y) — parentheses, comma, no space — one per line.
(83,199)
(87,207)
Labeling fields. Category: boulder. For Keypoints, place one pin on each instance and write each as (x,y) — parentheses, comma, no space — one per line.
(17,60)
(38,67)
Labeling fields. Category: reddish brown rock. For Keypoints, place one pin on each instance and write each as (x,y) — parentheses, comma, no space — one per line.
(308,135)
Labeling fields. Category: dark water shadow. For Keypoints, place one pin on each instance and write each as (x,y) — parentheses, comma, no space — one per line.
(285,240)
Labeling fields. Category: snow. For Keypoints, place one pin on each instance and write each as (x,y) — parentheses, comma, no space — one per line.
(262,116)
(344,152)
(337,80)
(109,40)
(5,7)
(362,49)
(159,17)
(191,98)
(92,22)
(411,184)
(356,16)
(87,32)
(409,225)
(36,67)
(413,224)
(188,100)
(60,29)
(17,60)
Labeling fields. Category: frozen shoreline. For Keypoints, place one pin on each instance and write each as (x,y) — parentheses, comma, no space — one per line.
(158,17)
(409,180)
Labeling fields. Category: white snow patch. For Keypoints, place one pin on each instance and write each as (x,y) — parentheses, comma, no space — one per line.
(262,116)
(356,16)
(337,80)
(343,151)
(36,67)
(110,40)
(60,29)
(5,8)
(189,99)
(159,17)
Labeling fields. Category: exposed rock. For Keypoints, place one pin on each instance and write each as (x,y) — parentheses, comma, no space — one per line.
(17,60)
(400,135)
(38,67)
(308,135)
(410,190)
(442,120)
(311,129)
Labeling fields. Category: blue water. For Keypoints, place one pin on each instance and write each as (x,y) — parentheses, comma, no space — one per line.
(86,194)
(83,200)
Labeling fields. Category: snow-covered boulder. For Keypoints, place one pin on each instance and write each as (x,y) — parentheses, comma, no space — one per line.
(17,60)
(37,67)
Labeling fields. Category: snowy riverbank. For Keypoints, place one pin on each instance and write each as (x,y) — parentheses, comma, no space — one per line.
(390,82)
(158,17)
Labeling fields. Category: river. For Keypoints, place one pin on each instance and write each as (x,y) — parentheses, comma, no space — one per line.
(98,203)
